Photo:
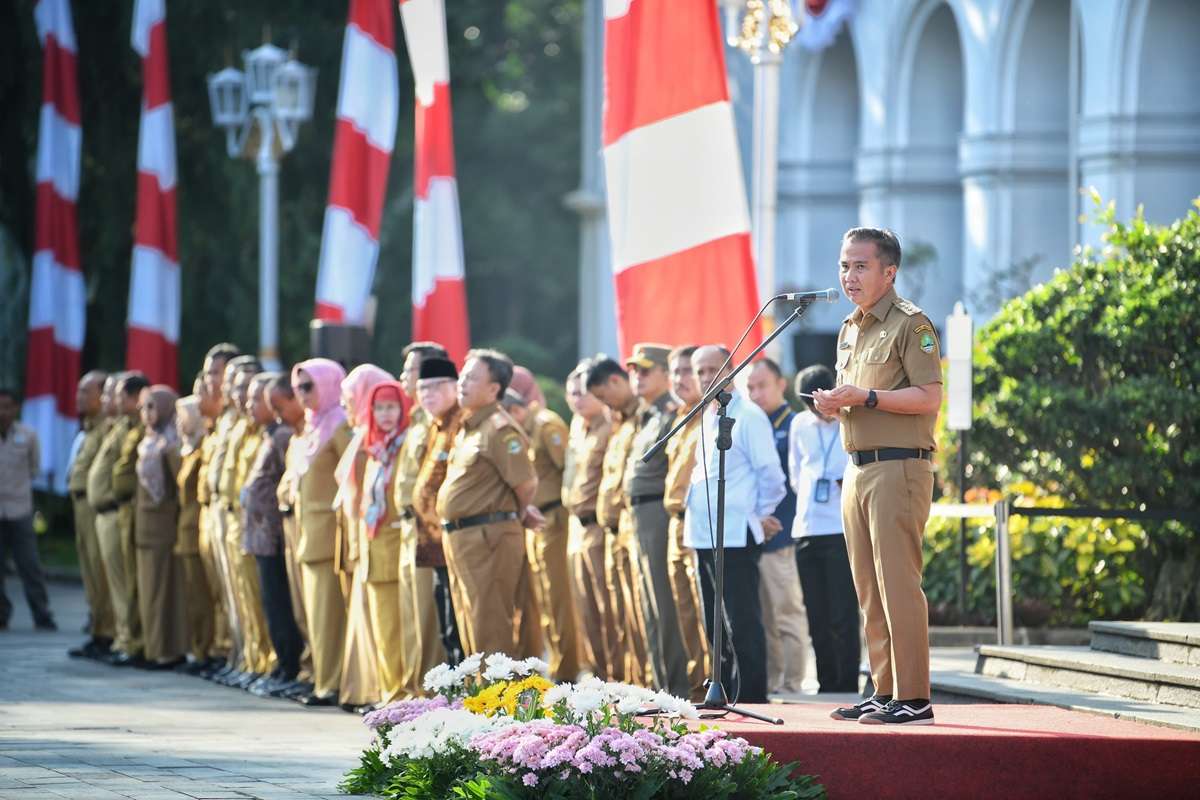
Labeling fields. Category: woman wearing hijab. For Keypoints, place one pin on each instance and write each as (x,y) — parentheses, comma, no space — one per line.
(198,606)
(317,382)
(387,417)
(360,670)
(164,626)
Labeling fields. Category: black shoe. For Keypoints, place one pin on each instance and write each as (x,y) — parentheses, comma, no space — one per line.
(261,686)
(126,660)
(366,708)
(165,666)
(317,701)
(868,706)
(349,708)
(84,650)
(296,690)
(47,624)
(901,712)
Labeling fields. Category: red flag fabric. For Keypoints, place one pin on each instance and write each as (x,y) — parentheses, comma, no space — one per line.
(439,291)
(677,211)
(153,332)
(365,133)
(57,296)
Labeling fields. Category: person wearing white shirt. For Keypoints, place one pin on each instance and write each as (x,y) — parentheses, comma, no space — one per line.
(816,464)
(754,486)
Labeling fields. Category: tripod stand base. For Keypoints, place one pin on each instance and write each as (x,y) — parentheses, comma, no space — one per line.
(716,700)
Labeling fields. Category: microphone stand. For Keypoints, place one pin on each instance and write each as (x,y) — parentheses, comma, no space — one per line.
(716,699)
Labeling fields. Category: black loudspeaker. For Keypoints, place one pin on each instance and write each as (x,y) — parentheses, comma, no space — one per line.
(349,345)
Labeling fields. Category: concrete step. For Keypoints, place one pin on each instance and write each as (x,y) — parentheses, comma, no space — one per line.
(971,635)
(1173,642)
(1087,670)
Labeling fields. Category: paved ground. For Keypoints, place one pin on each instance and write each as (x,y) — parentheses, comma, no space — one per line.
(77,729)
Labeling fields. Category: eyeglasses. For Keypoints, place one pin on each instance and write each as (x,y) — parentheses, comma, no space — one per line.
(305,387)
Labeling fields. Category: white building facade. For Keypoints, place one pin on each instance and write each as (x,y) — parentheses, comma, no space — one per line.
(969,127)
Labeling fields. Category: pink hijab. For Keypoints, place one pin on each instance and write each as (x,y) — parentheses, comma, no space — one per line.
(524,384)
(320,425)
(358,384)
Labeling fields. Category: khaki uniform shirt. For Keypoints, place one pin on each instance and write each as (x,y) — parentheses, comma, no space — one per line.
(207,448)
(653,421)
(216,460)
(315,491)
(681,459)
(548,437)
(412,453)
(100,495)
(124,479)
(227,482)
(247,455)
(588,444)
(94,429)
(442,433)
(611,497)
(20,462)
(490,458)
(187,543)
(891,346)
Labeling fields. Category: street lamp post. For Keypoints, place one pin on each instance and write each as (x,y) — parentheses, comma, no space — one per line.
(261,111)
(762,29)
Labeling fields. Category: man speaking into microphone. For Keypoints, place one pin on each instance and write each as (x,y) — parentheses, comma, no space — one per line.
(887,396)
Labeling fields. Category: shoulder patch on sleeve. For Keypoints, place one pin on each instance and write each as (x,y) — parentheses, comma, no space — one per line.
(500,420)
(909,308)
(514,445)
(922,328)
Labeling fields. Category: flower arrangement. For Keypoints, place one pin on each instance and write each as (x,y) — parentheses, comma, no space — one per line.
(498,728)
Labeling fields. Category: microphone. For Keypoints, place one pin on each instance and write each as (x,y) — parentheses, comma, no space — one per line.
(825,295)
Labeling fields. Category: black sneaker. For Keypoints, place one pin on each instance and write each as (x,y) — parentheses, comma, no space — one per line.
(853,713)
(901,712)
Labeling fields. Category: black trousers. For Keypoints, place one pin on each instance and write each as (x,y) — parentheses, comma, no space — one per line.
(277,607)
(744,664)
(445,612)
(832,607)
(18,539)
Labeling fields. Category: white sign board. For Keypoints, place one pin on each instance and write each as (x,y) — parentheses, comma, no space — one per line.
(959,345)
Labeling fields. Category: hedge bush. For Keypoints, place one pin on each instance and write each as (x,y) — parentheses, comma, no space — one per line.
(1085,395)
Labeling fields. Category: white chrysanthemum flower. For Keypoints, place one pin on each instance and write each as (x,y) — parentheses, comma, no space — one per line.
(499,667)
(468,667)
(628,705)
(439,678)
(670,704)
(556,694)
(585,701)
(531,665)
(434,732)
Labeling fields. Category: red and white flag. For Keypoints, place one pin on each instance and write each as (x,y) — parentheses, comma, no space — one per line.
(57,296)
(365,132)
(439,292)
(677,211)
(153,334)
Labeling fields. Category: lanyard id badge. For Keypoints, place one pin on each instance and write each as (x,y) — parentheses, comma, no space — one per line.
(821,491)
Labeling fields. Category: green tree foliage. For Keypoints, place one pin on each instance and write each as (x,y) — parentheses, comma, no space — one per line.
(515,86)
(1086,389)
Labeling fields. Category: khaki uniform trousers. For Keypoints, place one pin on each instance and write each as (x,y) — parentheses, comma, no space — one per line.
(485,564)
(257,654)
(291,539)
(529,638)
(160,603)
(325,608)
(197,605)
(360,666)
(212,576)
(785,621)
(125,520)
(685,584)
(126,626)
(547,553)
(383,607)
(218,523)
(664,639)
(585,557)
(629,657)
(885,506)
(91,569)
(420,634)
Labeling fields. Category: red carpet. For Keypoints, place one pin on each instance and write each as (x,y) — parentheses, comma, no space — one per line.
(978,751)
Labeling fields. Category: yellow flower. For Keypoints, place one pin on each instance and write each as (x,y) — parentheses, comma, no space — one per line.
(512,693)
(488,701)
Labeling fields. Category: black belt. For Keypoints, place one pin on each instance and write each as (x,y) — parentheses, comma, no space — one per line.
(548,507)
(478,519)
(638,499)
(586,519)
(407,513)
(104,508)
(861,457)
